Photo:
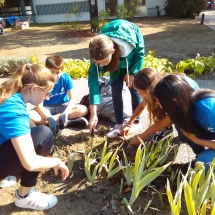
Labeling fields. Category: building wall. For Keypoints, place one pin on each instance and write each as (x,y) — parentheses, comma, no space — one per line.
(48,11)
(47,14)
(153,4)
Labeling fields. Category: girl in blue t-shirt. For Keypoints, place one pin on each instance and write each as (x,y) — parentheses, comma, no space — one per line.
(21,142)
(145,82)
(193,113)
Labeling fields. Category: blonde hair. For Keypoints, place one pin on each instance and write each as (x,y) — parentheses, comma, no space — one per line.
(100,47)
(25,75)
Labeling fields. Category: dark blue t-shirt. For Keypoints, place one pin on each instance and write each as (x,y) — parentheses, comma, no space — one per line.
(15,120)
(59,93)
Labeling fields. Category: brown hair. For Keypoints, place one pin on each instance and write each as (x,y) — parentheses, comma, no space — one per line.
(100,47)
(147,79)
(25,75)
(54,61)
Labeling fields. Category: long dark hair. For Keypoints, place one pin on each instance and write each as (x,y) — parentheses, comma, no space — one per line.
(177,99)
(100,47)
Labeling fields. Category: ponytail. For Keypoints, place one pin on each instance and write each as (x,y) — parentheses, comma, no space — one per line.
(25,75)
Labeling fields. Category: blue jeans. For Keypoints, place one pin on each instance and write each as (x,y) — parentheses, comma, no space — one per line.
(116,88)
(202,155)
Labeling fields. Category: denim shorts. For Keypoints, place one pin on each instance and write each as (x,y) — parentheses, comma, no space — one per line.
(56,109)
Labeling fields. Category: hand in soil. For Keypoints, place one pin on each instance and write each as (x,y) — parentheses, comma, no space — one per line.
(64,170)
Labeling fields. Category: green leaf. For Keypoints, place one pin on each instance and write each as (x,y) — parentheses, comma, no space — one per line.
(200,66)
(189,198)
(212,193)
(127,204)
(203,209)
(169,193)
(138,186)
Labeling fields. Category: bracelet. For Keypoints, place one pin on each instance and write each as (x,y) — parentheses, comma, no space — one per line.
(127,125)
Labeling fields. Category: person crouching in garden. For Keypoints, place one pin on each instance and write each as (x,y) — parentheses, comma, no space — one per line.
(119,49)
(21,142)
(192,111)
(145,82)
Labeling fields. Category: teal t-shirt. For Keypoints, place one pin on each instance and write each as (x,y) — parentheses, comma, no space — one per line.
(15,120)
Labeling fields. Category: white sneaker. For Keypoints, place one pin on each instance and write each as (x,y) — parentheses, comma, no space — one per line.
(114,131)
(8,181)
(35,200)
(135,128)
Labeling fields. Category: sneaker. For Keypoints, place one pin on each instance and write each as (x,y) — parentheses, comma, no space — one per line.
(35,200)
(63,120)
(80,122)
(161,134)
(114,131)
(8,181)
(135,128)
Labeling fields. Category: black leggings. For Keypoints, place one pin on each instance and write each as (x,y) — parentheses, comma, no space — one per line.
(43,140)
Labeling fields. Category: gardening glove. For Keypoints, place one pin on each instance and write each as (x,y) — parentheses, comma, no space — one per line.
(53,125)
(63,120)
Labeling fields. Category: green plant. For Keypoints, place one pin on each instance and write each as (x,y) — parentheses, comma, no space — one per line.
(142,176)
(87,167)
(67,22)
(9,64)
(150,157)
(197,188)
(175,204)
(123,12)
(197,66)
(104,157)
(128,170)
(101,161)
(184,8)
(79,68)
(103,16)
(76,12)
(163,65)
(95,23)
(71,160)
(111,170)
(76,68)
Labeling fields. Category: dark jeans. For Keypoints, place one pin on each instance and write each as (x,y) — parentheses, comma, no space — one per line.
(116,88)
(205,156)
(43,140)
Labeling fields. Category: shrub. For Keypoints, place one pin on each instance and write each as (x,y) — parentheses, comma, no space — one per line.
(184,8)
(163,65)
(9,64)
(126,11)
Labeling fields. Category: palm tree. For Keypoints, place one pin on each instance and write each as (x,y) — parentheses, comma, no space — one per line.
(2,2)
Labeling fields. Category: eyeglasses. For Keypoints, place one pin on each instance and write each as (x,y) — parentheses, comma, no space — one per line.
(47,94)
